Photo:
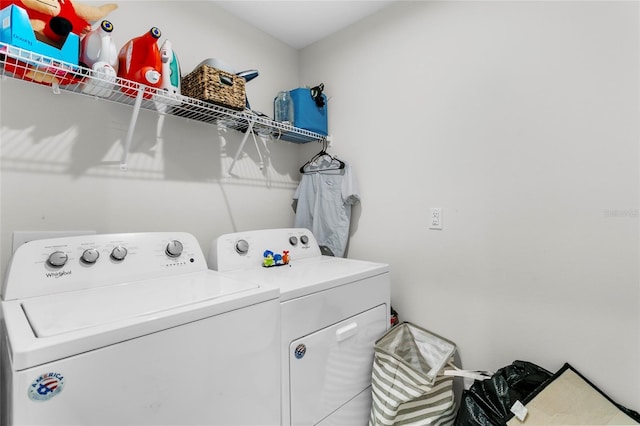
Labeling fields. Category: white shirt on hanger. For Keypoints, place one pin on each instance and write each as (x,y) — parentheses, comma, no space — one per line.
(324,200)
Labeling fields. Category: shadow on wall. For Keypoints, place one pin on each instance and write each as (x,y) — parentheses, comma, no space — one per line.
(84,136)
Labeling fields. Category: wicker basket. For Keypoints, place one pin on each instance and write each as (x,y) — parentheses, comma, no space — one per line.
(216,86)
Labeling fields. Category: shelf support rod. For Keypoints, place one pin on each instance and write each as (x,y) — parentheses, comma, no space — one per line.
(132,126)
(241,147)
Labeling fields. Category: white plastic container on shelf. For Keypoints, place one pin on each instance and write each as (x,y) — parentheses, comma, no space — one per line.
(98,52)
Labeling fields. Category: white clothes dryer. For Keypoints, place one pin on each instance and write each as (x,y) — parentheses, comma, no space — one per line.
(333,311)
(134,329)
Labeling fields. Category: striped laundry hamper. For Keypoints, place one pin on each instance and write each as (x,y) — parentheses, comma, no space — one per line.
(412,378)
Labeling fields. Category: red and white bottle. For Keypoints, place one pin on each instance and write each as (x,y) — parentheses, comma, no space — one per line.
(140,61)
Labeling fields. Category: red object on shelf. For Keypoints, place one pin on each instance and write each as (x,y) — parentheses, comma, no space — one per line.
(46,75)
(140,61)
(32,59)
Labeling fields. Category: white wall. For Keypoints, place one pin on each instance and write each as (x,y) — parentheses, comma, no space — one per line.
(60,153)
(519,120)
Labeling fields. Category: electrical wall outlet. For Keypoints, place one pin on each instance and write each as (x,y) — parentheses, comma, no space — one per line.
(21,237)
(435,219)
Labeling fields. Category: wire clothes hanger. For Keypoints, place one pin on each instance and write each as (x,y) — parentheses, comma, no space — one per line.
(322,161)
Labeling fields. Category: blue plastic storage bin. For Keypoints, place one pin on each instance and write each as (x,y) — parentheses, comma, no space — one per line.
(306,114)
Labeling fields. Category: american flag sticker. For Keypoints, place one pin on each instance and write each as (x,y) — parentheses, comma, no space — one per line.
(46,387)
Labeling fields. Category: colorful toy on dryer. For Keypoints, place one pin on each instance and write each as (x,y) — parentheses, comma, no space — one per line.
(140,61)
(275,259)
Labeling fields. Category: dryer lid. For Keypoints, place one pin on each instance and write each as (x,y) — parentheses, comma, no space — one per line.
(143,300)
(307,276)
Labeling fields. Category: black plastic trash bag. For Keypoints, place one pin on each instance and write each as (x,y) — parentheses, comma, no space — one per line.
(489,402)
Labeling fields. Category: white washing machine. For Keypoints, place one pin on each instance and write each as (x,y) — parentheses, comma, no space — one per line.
(333,311)
(134,329)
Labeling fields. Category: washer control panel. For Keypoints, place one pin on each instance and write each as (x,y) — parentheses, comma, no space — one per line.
(51,266)
(242,250)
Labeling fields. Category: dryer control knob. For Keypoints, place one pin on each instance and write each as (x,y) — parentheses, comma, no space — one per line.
(304,240)
(90,256)
(118,253)
(293,240)
(174,248)
(57,259)
(242,246)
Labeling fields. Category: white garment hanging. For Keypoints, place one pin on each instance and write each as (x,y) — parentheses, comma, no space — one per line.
(324,200)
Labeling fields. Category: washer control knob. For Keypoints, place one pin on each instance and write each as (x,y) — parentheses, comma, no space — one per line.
(293,240)
(304,239)
(57,259)
(90,256)
(242,246)
(174,248)
(118,253)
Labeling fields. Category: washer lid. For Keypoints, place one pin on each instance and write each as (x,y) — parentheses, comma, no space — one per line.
(66,312)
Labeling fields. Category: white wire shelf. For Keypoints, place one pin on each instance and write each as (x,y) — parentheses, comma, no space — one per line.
(29,66)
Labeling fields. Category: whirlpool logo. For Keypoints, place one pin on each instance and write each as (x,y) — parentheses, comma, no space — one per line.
(57,274)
